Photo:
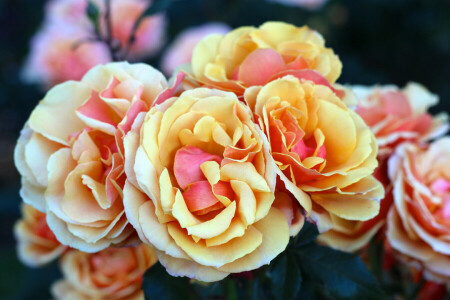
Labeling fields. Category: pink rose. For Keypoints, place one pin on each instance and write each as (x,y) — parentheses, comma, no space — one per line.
(180,51)
(150,36)
(397,115)
(54,58)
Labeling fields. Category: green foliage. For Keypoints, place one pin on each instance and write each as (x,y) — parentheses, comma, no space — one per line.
(305,270)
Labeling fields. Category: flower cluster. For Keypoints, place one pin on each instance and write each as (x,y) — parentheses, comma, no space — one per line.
(214,171)
(414,215)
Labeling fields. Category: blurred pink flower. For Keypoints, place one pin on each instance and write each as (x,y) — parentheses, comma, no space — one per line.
(54,58)
(308,4)
(150,36)
(180,51)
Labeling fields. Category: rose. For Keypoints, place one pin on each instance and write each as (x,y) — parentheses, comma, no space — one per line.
(250,56)
(200,187)
(113,273)
(37,245)
(150,35)
(324,152)
(70,153)
(395,116)
(419,220)
(352,236)
(180,51)
(55,57)
(398,115)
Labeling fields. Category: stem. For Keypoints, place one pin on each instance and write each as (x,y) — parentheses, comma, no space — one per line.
(109,39)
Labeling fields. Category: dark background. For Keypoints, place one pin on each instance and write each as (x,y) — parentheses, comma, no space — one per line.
(378,41)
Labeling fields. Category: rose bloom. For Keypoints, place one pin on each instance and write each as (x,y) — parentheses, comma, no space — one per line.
(324,152)
(37,245)
(249,56)
(111,274)
(150,35)
(70,153)
(55,57)
(308,4)
(398,115)
(200,187)
(180,51)
(395,116)
(419,221)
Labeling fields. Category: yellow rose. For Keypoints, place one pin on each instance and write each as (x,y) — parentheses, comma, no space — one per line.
(70,153)
(111,274)
(325,153)
(37,245)
(249,56)
(419,220)
(200,187)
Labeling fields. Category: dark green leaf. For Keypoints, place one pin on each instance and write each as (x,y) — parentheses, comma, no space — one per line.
(376,257)
(93,13)
(159,285)
(230,289)
(257,290)
(307,235)
(285,277)
(344,275)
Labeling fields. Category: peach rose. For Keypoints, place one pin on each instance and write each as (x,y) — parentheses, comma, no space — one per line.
(200,187)
(351,236)
(111,274)
(324,152)
(70,153)
(419,220)
(250,56)
(398,115)
(180,51)
(54,59)
(37,245)
(150,36)
(395,116)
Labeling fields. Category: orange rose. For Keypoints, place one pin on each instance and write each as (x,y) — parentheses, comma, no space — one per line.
(419,221)
(249,56)
(325,153)
(200,187)
(37,245)
(111,274)
(70,153)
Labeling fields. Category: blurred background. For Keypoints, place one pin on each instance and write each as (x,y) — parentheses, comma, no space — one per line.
(378,41)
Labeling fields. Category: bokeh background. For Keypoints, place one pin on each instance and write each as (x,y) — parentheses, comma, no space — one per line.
(378,41)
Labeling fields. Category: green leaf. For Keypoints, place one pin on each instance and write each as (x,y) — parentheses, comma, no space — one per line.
(343,275)
(230,289)
(307,235)
(93,13)
(159,285)
(285,277)
(376,257)
(257,290)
